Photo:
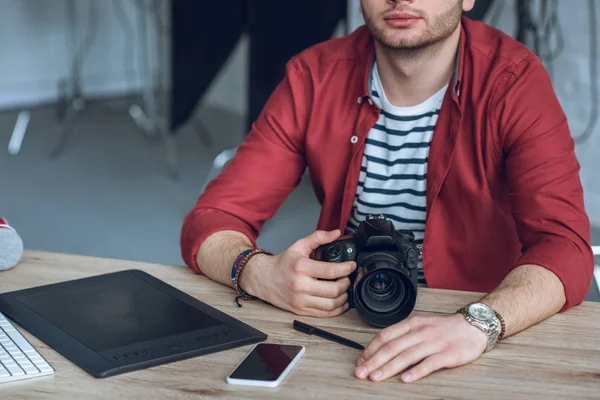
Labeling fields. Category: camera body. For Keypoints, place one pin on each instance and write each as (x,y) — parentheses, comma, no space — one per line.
(383,287)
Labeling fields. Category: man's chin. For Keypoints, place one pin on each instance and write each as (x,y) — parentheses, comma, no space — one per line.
(406,40)
(403,44)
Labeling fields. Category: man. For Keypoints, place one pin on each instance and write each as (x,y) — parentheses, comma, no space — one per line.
(448,127)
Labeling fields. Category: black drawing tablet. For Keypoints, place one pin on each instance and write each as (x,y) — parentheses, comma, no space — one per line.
(124,321)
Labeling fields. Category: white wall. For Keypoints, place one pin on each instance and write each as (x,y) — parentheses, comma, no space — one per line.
(36,53)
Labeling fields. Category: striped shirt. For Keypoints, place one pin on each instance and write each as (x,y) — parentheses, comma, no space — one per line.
(392,179)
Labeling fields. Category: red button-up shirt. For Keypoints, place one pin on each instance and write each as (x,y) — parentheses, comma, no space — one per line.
(503,186)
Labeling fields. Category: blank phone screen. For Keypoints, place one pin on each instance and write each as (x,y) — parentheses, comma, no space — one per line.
(266,362)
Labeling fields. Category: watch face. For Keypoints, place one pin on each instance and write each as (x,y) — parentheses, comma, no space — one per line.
(481,312)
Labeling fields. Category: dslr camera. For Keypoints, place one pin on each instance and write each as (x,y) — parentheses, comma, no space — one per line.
(383,286)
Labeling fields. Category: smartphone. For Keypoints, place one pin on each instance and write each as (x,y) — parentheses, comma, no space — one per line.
(267,364)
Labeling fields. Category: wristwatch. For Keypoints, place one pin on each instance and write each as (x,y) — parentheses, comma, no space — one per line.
(485,318)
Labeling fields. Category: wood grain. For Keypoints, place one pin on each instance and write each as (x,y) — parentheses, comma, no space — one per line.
(559,358)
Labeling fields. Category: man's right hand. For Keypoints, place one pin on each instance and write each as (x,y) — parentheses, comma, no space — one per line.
(290,280)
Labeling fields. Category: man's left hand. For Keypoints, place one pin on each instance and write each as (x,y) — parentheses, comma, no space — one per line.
(426,344)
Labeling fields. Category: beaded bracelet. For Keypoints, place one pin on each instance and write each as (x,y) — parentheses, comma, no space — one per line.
(238,274)
(236,263)
(502,326)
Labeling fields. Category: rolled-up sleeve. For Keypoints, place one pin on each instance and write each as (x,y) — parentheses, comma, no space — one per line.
(543,177)
(266,168)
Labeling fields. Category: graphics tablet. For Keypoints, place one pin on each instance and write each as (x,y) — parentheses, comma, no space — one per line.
(124,321)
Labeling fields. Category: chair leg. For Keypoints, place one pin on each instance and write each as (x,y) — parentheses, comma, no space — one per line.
(171,154)
(18,134)
(202,133)
(218,164)
(67,128)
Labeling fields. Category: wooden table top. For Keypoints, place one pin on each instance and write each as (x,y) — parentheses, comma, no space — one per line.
(559,358)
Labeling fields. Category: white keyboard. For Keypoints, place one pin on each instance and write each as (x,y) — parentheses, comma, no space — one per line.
(18,358)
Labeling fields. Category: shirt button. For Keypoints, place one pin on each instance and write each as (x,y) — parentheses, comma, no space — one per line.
(354,139)
(359,100)
(370,102)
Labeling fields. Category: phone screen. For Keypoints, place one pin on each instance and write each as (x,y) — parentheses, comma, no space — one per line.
(266,362)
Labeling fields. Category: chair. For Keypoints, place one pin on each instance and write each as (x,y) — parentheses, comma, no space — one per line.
(219,164)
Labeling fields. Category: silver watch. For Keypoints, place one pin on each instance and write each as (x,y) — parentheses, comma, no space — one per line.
(484,318)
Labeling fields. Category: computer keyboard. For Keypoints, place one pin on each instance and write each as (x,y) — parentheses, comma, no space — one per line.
(18,358)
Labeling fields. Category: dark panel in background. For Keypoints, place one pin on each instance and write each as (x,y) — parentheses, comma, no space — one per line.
(203,36)
(480,10)
(204,33)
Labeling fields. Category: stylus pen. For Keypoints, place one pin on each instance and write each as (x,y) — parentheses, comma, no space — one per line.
(312,330)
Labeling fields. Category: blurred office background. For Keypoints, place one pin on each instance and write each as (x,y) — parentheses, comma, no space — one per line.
(112,112)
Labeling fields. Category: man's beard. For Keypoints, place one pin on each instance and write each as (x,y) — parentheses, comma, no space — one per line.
(442,27)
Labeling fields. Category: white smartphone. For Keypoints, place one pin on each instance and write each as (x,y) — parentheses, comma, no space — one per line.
(267,364)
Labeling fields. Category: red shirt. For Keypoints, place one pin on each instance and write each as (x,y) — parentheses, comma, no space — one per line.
(503,186)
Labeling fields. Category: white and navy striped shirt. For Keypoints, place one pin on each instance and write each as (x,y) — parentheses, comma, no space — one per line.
(392,178)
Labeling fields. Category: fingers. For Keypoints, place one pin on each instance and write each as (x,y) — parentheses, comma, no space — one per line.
(387,353)
(311,242)
(328,289)
(324,270)
(307,293)
(429,365)
(313,312)
(387,335)
(322,303)
(402,361)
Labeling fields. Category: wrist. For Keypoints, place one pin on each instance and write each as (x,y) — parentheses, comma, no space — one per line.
(480,338)
(254,275)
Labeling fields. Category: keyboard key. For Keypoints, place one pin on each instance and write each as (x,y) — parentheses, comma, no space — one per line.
(45,367)
(14,370)
(31,370)
(25,363)
(21,341)
(36,358)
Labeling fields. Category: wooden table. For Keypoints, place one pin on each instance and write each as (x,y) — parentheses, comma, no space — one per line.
(559,358)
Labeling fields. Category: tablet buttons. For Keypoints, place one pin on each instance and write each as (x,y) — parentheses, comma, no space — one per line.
(132,354)
(213,336)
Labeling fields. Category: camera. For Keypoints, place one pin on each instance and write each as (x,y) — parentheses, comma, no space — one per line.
(383,287)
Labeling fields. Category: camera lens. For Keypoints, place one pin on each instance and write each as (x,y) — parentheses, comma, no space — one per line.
(381,284)
(383,292)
